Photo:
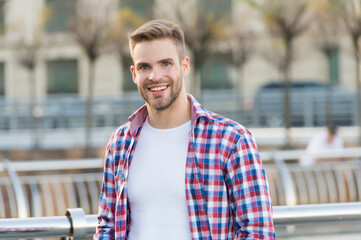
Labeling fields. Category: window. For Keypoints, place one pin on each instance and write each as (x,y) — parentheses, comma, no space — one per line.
(333,61)
(60,12)
(62,76)
(2,79)
(128,84)
(214,73)
(2,17)
(218,8)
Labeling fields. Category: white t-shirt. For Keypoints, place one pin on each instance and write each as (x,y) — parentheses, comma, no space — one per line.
(319,143)
(156,185)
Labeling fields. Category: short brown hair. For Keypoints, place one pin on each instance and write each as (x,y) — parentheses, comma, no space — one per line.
(158,29)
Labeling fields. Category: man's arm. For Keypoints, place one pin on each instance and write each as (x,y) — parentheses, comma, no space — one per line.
(249,191)
(105,228)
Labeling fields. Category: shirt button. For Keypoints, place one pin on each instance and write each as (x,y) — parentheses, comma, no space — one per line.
(123,179)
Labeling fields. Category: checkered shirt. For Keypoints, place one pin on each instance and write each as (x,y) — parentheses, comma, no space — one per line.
(226,187)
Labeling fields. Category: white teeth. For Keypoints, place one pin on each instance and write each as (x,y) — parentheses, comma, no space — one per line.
(157,89)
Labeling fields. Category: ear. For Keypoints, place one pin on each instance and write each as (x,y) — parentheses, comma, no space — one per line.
(132,69)
(185,66)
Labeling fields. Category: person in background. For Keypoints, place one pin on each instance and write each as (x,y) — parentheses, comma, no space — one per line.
(323,141)
(176,170)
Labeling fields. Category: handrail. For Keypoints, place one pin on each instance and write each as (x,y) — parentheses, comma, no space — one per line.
(13,167)
(288,185)
(280,158)
(78,225)
(54,164)
(317,213)
(296,154)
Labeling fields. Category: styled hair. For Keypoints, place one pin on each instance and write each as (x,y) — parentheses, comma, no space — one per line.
(332,129)
(158,29)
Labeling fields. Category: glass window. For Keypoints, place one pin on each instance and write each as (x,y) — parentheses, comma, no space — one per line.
(2,79)
(128,84)
(60,12)
(2,17)
(334,66)
(214,73)
(62,76)
(218,8)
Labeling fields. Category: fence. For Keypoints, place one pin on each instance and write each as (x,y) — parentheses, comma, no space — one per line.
(67,112)
(327,182)
(80,226)
(46,188)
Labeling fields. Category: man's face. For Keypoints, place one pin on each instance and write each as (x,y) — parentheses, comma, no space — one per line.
(158,72)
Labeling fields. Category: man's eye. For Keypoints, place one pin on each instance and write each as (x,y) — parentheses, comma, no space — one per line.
(143,67)
(166,63)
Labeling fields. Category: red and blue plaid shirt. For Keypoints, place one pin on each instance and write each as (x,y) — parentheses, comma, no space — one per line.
(226,187)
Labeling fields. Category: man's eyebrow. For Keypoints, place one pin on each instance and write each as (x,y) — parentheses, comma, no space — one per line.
(166,60)
(141,63)
(159,61)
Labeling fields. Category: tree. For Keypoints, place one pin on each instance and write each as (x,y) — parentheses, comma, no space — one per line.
(241,47)
(326,34)
(27,50)
(285,20)
(126,21)
(201,29)
(27,56)
(90,27)
(350,13)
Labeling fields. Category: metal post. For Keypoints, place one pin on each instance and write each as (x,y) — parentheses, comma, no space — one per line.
(78,223)
(19,192)
(289,187)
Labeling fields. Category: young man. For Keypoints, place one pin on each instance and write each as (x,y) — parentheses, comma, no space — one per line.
(176,170)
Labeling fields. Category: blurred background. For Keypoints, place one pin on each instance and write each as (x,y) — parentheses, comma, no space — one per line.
(284,69)
(65,83)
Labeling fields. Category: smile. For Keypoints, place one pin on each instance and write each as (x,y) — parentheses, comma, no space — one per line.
(157,89)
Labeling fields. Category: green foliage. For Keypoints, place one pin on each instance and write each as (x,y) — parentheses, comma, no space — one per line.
(252,3)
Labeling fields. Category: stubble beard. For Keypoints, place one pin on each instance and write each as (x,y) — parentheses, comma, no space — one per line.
(161,103)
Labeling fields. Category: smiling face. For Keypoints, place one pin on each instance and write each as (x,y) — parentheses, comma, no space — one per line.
(158,72)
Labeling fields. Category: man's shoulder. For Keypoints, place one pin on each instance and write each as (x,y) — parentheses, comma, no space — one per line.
(228,132)
(120,133)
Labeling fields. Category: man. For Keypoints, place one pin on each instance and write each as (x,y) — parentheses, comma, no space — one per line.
(176,170)
(322,142)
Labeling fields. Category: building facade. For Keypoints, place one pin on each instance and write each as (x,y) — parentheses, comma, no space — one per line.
(62,67)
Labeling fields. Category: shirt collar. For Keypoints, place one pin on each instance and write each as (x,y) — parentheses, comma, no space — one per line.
(138,117)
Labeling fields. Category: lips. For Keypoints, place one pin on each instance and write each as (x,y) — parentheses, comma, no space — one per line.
(158,88)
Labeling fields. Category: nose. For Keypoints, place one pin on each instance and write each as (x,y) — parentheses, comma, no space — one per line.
(156,74)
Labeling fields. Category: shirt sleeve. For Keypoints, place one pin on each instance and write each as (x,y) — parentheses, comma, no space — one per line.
(249,191)
(105,227)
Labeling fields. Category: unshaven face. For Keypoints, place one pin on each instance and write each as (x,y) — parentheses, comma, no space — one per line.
(158,72)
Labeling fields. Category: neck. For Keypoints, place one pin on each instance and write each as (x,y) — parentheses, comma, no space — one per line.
(175,115)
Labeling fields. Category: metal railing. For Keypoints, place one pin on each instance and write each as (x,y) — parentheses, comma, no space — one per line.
(327,182)
(77,225)
(252,110)
(46,188)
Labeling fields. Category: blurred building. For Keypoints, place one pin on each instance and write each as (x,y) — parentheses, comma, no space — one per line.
(61,67)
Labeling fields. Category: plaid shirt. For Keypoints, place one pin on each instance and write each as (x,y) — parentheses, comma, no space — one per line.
(226,187)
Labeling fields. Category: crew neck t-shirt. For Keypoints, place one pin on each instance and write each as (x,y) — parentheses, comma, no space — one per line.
(156,185)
